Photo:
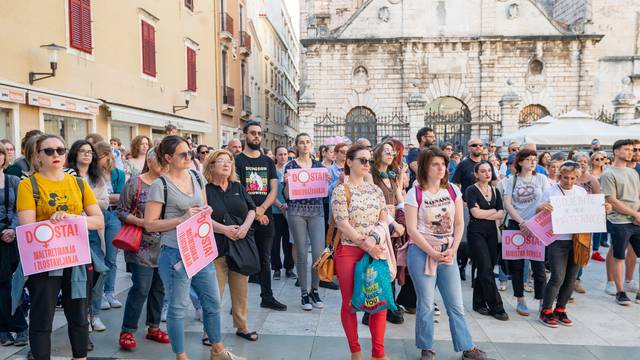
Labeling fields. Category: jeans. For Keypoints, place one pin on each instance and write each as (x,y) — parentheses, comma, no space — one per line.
(10,323)
(204,283)
(484,254)
(563,274)
(517,272)
(147,285)
(301,228)
(111,227)
(281,238)
(598,239)
(447,278)
(97,287)
(264,241)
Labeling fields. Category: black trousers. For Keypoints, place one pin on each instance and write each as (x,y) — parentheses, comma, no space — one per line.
(407,295)
(516,270)
(564,272)
(264,242)
(484,254)
(10,323)
(281,240)
(43,290)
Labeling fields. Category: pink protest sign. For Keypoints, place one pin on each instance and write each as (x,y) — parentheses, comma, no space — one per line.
(196,242)
(516,246)
(45,246)
(308,183)
(541,226)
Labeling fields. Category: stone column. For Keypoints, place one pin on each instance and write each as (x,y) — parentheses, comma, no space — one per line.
(416,105)
(624,105)
(509,110)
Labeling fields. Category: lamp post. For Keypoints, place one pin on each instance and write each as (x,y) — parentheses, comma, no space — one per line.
(52,52)
(186,94)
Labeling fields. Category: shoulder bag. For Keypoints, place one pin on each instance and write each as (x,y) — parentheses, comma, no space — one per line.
(581,245)
(129,236)
(325,264)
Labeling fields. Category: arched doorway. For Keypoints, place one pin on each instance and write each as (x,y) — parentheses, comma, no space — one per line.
(450,119)
(532,113)
(361,123)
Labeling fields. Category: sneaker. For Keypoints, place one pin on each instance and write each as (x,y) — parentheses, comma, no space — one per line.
(474,354)
(97,324)
(605,243)
(502,286)
(163,313)
(503,316)
(548,319)
(630,285)
(561,316)
(436,310)
(315,299)
(522,309)
(277,275)
(610,289)
(528,288)
(22,338)
(297,284)
(395,316)
(427,355)
(623,299)
(59,301)
(273,304)
(597,257)
(225,355)
(199,314)
(305,303)
(104,304)
(579,288)
(290,274)
(113,302)
(6,339)
(407,309)
(329,285)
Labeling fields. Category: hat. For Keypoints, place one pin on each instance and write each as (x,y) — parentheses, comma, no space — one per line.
(595,142)
(511,159)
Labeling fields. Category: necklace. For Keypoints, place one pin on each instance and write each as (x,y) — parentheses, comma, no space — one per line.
(486,194)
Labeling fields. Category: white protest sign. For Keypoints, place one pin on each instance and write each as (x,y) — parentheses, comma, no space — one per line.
(578,214)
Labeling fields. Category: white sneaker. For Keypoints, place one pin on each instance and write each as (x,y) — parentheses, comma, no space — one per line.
(502,286)
(631,286)
(113,302)
(610,289)
(436,310)
(97,324)
(163,313)
(199,314)
(104,304)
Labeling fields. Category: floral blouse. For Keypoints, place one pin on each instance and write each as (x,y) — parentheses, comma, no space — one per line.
(367,200)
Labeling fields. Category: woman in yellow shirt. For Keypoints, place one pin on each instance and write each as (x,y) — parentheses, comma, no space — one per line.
(60,198)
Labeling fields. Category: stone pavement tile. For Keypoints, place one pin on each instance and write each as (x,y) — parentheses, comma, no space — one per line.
(511,331)
(272,347)
(287,323)
(544,352)
(337,348)
(569,335)
(619,353)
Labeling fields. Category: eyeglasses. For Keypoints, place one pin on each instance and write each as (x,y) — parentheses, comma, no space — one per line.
(50,151)
(448,149)
(363,161)
(185,155)
(223,162)
(475,145)
(85,152)
(392,153)
(492,146)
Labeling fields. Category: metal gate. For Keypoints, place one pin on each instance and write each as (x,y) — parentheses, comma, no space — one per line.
(457,128)
(361,122)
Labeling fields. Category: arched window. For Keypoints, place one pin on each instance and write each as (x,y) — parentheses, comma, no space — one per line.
(361,123)
(532,113)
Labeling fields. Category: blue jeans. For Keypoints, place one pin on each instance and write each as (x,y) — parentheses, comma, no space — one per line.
(147,286)
(98,286)
(204,283)
(111,227)
(447,279)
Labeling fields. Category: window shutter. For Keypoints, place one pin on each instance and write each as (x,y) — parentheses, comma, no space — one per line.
(148,49)
(86,26)
(152,50)
(80,25)
(191,69)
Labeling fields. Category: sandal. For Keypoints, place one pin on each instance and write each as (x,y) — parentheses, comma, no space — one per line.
(127,341)
(251,336)
(158,335)
(206,342)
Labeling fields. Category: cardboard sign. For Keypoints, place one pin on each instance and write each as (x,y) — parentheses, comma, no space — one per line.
(516,246)
(540,226)
(308,183)
(578,214)
(45,246)
(196,242)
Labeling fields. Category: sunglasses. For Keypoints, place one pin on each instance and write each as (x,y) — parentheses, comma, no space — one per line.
(598,159)
(185,155)
(203,152)
(392,153)
(50,151)
(636,150)
(363,161)
(475,145)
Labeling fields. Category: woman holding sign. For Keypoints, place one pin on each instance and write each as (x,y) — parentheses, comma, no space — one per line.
(60,196)
(306,219)
(522,196)
(174,198)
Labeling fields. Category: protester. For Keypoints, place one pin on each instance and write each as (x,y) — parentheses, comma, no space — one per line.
(222,190)
(139,147)
(337,168)
(202,151)
(170,130)
(306,221)
(142,264)
(426,138)
(357,207)
(118,150)
(11,151)
(94,138)
(554,171)
(257,173)
(595,146)
(327,158)
(23,166)
(596,168)
(234,146)
(485,207)
(544,160)
(522,195)
(71,197)
(447,148)
(435,224)
(184,197)
(281,237)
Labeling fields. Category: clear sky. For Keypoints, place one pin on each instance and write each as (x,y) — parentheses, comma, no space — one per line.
(293,6)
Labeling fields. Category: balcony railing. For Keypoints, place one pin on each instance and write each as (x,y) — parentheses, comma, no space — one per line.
(245,41)
(228,96)
(227,23)
(246,104)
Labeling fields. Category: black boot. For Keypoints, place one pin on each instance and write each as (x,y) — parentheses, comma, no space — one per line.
(395,316)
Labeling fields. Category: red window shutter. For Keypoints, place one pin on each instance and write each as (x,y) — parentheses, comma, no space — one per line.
(148,49)
(191,69)
(80,25)
(86,26)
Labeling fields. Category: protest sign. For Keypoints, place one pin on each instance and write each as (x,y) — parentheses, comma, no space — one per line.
(516,245)
(308,183)
(45,246)
(196,242)
(578,214)
(540,226)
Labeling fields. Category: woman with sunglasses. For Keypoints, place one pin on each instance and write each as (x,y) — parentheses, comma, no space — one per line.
(337,168)
(202,151)
(185,197)
(139,147)
(597,166)
(358,206)
(306,219)
(522,196)
(61,197)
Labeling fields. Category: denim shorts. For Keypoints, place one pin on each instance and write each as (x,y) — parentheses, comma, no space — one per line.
(621,236)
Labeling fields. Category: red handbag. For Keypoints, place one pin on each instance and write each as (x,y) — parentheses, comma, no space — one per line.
(129,236)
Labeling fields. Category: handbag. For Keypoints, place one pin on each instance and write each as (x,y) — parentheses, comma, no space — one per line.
(325,263)
(242,255)
(129,236)
(581,248)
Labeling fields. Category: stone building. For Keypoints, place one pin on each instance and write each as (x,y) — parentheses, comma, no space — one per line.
(465,67)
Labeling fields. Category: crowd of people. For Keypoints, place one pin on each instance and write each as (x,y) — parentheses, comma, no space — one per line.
(443,212)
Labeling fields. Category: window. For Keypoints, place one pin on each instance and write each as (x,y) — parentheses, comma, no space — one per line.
(5,124)
(80,25)
(148,49)
(191,69)
(188,4)
(122,132)
(70,129)
(224,68)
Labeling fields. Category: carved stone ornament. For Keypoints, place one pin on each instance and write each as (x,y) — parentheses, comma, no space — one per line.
(513,11)
(383,14)
(360,80)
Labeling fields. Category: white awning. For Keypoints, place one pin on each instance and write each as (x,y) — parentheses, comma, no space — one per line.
(140,117)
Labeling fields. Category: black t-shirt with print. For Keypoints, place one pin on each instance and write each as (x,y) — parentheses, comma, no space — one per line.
(465,175)
(255,174)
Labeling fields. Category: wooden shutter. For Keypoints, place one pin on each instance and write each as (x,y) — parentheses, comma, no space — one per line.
(148,49)
(80,25)
(191,69)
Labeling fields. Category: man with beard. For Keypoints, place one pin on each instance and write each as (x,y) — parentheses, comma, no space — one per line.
(234,146)
(426,137)
(257,172)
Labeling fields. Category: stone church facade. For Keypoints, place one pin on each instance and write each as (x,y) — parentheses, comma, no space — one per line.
(373,68)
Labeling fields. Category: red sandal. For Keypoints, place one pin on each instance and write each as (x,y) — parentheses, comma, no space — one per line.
(127,341)
(158,335)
